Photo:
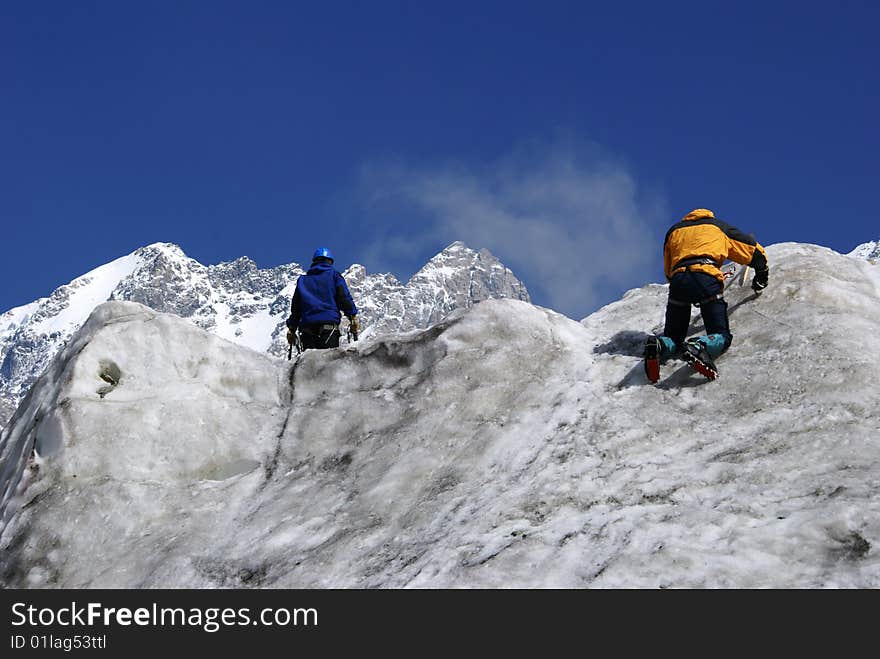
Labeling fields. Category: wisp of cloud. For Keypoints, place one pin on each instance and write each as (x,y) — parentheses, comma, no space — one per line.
(568,220)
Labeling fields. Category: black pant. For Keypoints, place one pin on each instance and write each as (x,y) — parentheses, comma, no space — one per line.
(689,287)
(321,336)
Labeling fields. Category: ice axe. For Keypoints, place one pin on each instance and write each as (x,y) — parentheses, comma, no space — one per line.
(296,342)
(746,267)
(745,272)
(742,282)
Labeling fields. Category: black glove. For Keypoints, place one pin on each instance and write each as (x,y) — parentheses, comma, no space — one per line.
(759,282)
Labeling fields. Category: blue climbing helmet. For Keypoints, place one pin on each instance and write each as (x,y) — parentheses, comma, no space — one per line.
(322,253)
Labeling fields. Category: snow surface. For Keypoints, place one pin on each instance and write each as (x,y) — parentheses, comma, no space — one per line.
(86,293)
(869,251)
(506,446)
(10,320)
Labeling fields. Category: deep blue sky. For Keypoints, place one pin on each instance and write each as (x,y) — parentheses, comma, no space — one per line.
(268,128)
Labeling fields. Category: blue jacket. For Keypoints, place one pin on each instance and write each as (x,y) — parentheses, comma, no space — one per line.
(321,296)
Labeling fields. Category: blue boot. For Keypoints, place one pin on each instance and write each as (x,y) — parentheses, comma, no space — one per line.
(715,344)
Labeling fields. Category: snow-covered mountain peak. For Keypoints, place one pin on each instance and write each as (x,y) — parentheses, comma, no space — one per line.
(458,267)
(158,255)
(166,255)
(456,248)
(356,275)
(172,249)
(457,278)
(454,255)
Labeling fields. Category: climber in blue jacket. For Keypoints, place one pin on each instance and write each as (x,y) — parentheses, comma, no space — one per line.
(320,299)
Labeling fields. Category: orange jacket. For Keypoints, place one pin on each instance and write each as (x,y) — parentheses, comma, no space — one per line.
(701,235)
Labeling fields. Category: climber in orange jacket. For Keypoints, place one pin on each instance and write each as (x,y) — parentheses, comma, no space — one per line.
(693,252)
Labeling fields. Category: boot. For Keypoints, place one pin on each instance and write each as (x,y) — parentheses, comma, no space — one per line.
(652,359)
(694,352)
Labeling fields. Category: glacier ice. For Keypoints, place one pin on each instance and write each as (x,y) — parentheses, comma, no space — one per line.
(504,446)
